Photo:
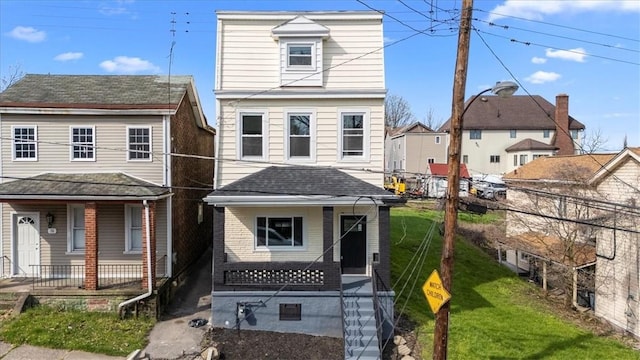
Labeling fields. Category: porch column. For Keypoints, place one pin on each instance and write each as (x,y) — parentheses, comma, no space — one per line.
(91,246)
(327,234)
(384,245)
(152,248)
(218,247)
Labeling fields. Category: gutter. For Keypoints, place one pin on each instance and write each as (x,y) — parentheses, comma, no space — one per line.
(149,278)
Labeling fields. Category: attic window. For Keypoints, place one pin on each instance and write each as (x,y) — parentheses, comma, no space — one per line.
(299,55)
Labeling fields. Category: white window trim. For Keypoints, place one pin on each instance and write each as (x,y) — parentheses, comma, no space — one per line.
(127,229)
(297,68)
(13,142)
(291,248)
(70,226)
(150,159)
(265,138)
(366,143)
(312,135)
(71,143)
(438,140)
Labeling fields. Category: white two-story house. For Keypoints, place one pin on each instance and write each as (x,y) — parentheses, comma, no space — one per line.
(299,204)
(501,134)
(91,194)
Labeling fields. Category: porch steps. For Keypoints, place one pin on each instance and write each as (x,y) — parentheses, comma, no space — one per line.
(12,303)
(360,333)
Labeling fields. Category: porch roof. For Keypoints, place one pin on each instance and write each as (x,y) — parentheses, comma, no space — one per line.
(81,186)
(300,185)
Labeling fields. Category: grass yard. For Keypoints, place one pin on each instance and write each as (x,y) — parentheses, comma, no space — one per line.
(76,330)
(493,314)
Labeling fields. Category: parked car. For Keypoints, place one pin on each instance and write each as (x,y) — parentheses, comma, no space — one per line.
(489,190)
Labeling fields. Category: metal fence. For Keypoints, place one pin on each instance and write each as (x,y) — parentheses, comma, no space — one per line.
(72,276)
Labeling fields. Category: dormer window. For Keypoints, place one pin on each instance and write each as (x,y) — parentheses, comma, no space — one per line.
(300,56)
(300,40)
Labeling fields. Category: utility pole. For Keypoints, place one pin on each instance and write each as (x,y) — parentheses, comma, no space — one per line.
(441,332)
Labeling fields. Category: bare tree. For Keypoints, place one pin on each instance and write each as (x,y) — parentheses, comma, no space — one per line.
(593,141)
(397,111)
(431,121)
(15,73)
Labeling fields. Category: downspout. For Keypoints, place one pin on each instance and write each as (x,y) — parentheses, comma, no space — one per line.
(149,278)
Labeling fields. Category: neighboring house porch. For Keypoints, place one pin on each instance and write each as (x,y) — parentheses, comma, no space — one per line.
(94,231)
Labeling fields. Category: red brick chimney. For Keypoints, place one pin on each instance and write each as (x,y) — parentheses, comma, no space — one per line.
(563,140)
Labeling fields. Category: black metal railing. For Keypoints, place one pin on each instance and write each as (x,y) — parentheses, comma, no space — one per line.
(72,276)
(376,307)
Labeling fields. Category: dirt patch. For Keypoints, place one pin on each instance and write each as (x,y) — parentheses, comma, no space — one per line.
(255,344)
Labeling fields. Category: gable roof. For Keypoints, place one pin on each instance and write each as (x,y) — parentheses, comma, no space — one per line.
(415,127)
(517,112)
(612,164)
(437,169)
(85,186)
(308,185)
(577,168)
(300,26)
(530,144)
(552,248)
(127,94)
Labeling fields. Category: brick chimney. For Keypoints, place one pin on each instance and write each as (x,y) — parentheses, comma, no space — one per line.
(563,140)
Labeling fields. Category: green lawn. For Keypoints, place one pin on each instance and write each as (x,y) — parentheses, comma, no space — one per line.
(77,330)
(493,315)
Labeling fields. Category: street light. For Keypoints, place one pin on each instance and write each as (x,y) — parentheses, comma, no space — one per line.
(502,89)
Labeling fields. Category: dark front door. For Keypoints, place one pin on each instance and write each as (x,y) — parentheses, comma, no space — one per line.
(353,244)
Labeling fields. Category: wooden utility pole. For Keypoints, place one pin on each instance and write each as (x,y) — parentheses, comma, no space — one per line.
(441,332)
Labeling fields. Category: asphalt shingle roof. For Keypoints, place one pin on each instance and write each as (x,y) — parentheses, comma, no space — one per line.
(300,180)
(518,112)
(530,144)
(96,91)
(562,168)
(81,185)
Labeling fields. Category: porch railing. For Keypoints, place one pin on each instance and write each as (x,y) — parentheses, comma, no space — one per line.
(72,276)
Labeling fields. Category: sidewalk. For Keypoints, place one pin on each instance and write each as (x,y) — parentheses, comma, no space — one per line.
(170,338)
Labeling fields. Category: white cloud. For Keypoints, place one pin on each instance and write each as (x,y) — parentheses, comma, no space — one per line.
(27,33)
(118,8)
(541,77)
(128,65)
(535,10)
(538,60)
(577,54)
(68,56)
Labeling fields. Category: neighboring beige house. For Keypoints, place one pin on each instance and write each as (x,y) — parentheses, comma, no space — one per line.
(617,295)
(502,134)
(580,213)
(409,149)
(90,193)
(300,212)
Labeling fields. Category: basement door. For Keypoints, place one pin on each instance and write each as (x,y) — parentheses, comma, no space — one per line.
(353,244)
(26,244)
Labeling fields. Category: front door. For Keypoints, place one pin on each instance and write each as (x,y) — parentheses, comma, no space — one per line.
(27,244)
(353,244)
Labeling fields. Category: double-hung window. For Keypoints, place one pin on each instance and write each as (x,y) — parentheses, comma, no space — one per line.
(133,226)
(252,132)
(279,232)
(139,143)
(494,158)
(300,136)
(25,143)
(353,135)
(475,134)
(300,56)
(76,233)
(82,143)
(437,139)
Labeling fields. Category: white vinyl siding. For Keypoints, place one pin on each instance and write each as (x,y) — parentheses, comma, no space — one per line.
(133,228)
(251,58)
(82,143)
(25,143)
(139,143)
(327,131)
(76,231)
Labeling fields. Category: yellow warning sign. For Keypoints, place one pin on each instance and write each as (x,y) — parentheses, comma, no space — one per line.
(435,292)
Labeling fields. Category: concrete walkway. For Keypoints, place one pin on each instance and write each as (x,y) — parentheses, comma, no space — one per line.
(23,352)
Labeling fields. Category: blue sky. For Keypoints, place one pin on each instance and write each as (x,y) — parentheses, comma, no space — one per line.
(588,49)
